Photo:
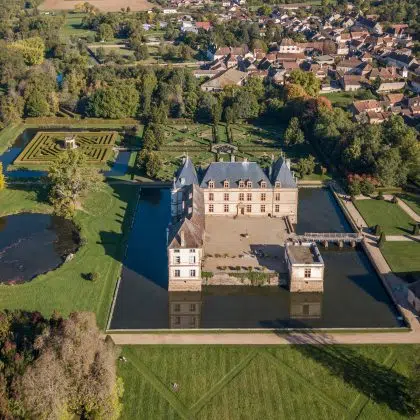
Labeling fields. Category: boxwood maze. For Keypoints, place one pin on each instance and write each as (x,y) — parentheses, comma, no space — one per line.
(45,147)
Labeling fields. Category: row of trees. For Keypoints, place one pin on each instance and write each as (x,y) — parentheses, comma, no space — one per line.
(56,368)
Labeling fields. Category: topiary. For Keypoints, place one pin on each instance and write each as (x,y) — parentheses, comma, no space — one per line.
(94,276)
(378,230)
(382,240)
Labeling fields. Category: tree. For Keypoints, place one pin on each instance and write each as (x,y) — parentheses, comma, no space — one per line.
(310,83)
(366,187)
(75,373)
(31,49)
(2,178)
(37,105)
(70,178)
(105,32)
(293,134)
(114,102)
(294,91)
(306,166)
(354,188)
(149,161)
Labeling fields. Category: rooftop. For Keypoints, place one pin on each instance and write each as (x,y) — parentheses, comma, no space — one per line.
(304,254)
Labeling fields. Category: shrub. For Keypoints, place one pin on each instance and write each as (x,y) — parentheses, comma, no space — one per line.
(394,199)
(377,230)
(380,196)
(93,276)
(207,274)
(416,229)
(366,187)
(382,240)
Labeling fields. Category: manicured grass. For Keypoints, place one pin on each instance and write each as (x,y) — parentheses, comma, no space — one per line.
(403,257)
(73,27)
(104,223)
(8,135)
(284,382)
(341,99)
(412,200)
(392,219)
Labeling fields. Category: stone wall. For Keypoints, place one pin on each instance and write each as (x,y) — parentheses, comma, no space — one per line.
(307,286)
(184,285)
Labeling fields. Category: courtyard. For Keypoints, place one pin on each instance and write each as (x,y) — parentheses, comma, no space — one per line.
(244,243)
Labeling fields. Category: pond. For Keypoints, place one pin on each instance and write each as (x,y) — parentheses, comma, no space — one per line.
(119,168)
(32,244)
(354,296)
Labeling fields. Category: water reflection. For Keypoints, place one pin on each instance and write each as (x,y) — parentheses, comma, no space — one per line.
(353,297)
(32,244)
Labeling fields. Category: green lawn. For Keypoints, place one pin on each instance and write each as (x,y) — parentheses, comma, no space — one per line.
(403,257)
(73,27)
(104,221)
(392,219)
(283,382)
(412,200)
(340,99)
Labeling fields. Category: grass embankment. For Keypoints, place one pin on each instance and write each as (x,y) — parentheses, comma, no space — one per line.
(104,223)
(392,219)
(286,382)
(8,136)
(412,200)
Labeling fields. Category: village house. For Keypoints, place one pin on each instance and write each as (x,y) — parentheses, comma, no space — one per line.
(229,77)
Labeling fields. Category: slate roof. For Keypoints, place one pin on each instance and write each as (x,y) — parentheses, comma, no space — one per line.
(282,173)
(233,172)
(186,174)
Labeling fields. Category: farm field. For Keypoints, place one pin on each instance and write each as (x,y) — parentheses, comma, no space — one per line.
(104,222)
(45,147)
(102,5)
(284,382)
(392,219)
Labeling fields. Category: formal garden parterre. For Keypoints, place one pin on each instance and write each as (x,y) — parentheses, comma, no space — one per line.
(45,147)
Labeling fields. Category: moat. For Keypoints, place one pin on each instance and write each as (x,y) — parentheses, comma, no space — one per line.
(354,296)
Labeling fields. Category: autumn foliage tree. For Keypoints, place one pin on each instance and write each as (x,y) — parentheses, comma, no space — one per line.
(2,178)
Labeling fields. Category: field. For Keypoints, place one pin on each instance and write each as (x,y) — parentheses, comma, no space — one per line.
(102,5)
(73,27)
(285,382)
(104,223)
(45,147)
(392,219)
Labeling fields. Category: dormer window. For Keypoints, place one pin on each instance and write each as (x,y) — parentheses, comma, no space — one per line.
(226,184)
(241,184)
(277,184)
(249,184)
(263,184)
(211,184)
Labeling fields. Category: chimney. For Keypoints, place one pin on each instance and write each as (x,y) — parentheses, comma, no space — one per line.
(288,163)
(182,235)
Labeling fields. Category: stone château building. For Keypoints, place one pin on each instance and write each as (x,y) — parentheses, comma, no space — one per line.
(241,189)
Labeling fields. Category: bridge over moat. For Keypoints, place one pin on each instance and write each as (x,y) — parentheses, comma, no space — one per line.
(326,238)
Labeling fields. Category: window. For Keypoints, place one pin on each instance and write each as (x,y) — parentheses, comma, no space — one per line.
(307,273)
(177,260)
(263,196)
(177,307)
(192,273)
(277,184)
(248,208)
(176,251)
(277,196)
(226,184)
(249,184)
(263,208)
(241,197)
(177,273)
(192,250)
(249,197)
(211,197)
(226,208)
(211,208)
(211,184)
(177,320)
(192,259)
(193,307)
(226,196)
(241,184)
(277,208)
(263,184)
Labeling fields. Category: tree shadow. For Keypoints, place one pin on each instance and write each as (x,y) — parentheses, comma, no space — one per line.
(378,382)
(40,189)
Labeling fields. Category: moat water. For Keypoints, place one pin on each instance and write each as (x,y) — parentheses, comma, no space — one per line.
(354,296)
(32,244)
